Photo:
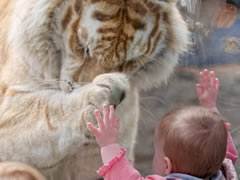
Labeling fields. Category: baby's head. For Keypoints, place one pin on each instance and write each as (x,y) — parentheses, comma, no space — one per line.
(18,171)
(190,140)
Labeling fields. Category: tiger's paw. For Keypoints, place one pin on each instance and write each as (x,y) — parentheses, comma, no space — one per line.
(108,89)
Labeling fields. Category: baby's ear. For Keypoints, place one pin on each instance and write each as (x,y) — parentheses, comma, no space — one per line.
(14,170)
(168,166)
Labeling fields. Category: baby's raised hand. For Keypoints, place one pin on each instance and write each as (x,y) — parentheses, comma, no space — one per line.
(207,89)
(107,131)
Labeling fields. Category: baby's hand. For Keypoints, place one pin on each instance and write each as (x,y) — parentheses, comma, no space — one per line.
(207,90)
(107,131)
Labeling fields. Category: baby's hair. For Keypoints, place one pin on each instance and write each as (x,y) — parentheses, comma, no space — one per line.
(194,139)
(18,171)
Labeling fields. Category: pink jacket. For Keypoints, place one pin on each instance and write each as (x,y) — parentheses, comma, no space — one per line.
(117,167)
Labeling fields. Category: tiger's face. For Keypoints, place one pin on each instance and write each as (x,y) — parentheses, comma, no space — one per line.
(118,35)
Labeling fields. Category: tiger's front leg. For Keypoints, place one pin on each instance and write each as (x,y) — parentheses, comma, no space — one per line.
(104,89)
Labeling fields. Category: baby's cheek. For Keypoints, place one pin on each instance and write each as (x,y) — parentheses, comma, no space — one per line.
(158,165)
(154,167)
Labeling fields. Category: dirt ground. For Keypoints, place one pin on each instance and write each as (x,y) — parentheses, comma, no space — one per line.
(180,91)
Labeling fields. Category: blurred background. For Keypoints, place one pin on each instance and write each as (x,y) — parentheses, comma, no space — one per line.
(215,27)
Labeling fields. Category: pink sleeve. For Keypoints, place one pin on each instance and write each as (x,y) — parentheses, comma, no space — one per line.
(119,168)
(109,152)
(229,170)
(231,153)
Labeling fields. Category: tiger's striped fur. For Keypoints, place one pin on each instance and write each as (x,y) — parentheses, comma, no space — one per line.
(97,51)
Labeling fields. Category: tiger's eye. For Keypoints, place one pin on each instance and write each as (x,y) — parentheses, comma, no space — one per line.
(101,17)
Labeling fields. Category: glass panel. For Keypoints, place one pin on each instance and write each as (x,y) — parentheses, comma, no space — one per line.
(215,27)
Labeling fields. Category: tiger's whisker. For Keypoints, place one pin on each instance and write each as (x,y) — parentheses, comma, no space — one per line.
(153,98)
(143,106)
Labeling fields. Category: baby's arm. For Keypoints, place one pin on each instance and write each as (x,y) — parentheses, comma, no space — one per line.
(231,152)
(116,166)
(107,133)
(207,91)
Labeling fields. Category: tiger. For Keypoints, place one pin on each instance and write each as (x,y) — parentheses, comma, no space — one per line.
(62,59)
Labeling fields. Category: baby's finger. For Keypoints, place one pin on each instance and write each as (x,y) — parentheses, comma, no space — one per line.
(212,79)
(199,90)
(99,119)
(93,129)
(111,116)
(105,115)
(201,78)
(116,125)
(217,84)
(206,78)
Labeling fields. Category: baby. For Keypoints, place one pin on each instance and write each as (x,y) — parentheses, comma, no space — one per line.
(18,171)
(191,143)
